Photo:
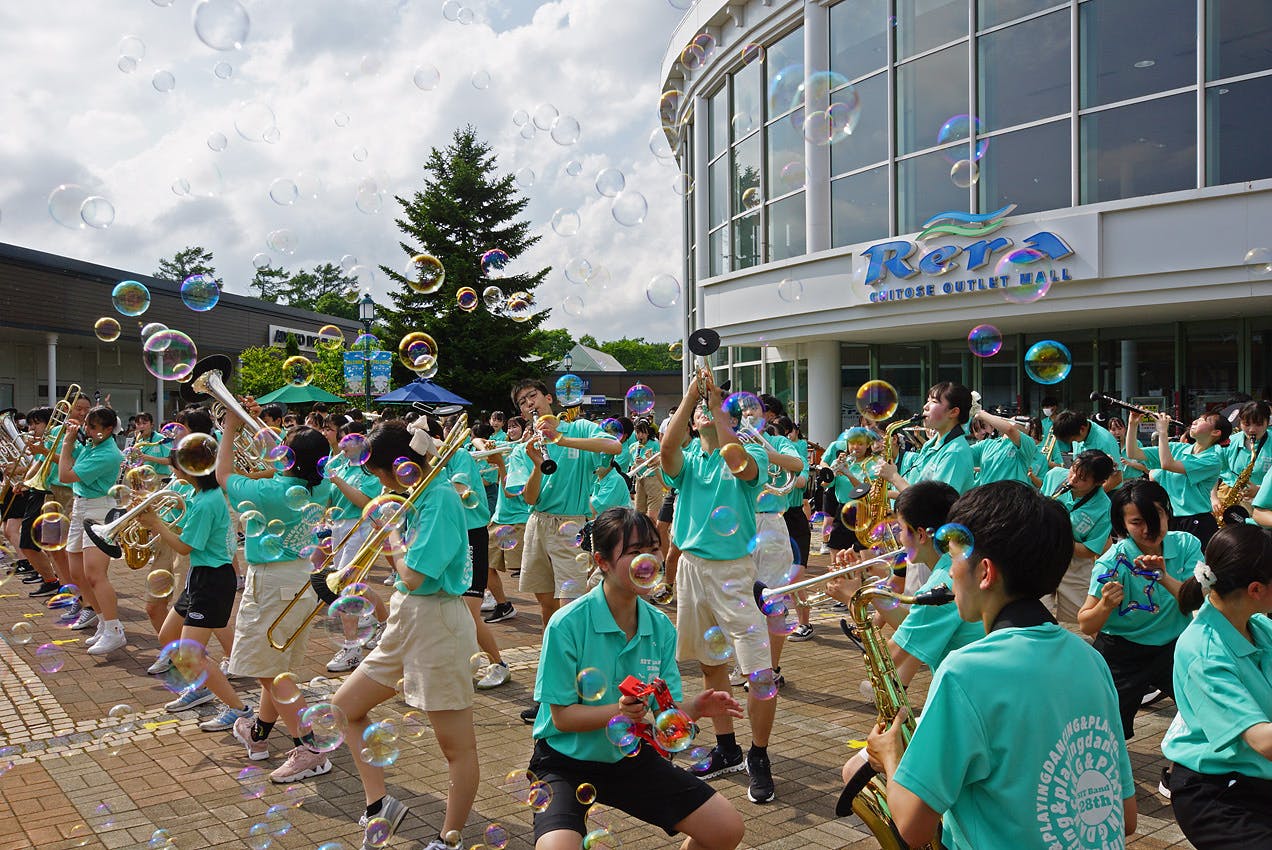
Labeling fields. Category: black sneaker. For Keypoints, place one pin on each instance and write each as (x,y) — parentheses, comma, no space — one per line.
(528,715)
(32,578)
(46,588)
(761,788)
(23,567)
(502,611)
(1163,787)
(722,763)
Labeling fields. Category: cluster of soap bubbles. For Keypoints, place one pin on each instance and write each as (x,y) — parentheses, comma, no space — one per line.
(74,207)
(565,130)
(964,160)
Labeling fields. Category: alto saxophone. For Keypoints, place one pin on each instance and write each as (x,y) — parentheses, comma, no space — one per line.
(876,504)
(1231,497)
(868,793)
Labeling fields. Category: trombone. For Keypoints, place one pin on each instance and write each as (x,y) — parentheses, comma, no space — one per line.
(38,477)
(126,537)
(763,593)
(647,466)
(369,551)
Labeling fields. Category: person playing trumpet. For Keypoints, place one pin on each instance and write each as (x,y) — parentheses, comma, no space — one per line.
(649,489)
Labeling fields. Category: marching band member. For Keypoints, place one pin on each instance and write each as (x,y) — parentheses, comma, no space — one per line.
(427,642)
(1220,742)
(797,522)
(1080,488)
(1002,452)
(27,505)
(947,456)
(995,739)
(504,548)
(1251,445)
(1131,468)
(649,489)
(1132,607)
(1188,472)
(723,476)
(1083,433)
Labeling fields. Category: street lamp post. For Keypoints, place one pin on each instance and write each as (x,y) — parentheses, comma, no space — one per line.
(366,313)
(567,362)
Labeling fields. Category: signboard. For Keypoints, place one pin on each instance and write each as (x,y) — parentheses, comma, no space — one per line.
(597,400)
(355,371)
(1151,403)
(306,339)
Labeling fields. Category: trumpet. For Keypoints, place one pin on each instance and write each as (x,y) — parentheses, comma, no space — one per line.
(38,479)
(499,450)
(647,466)
(126,537)
(208,380)
(703,342)
(369,551)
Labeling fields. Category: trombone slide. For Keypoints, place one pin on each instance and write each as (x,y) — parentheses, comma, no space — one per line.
(764,593)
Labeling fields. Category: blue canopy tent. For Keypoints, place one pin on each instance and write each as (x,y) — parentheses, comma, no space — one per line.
(424,392)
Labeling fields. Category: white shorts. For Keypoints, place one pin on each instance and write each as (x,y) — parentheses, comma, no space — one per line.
(339,529)
(1075,587)
(428,644)
(94,509)
(720,593)
(551,562)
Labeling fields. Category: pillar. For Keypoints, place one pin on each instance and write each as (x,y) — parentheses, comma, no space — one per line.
(823,390)
(1130,371)
(54,397)
(697,169)
(159,411)
(816,157)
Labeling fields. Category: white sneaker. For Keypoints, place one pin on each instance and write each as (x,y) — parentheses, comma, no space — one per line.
(488,603)
(111,640)
(496,675)
(736,677)
(373,639)
(824,550)
(346,659)
(366,621)
(97,635)
(163,665)
(225,669)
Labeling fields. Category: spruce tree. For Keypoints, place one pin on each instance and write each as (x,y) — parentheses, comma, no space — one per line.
(464,210)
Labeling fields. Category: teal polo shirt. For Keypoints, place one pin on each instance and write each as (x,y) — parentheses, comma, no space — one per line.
(1189,490)
(462,463)
(796,498)
(500,436)
(1092,519)
(932,632)
(705,483)
(643,451)
(440,549)
(510,510)
(1002,460)
(1223,686)
(269,497)
(1129,472)
(1013,759)
(1236,457)
(1099,437)
(203,528)
(584,635)
(767,503)
(843,484)
(97,468)
(1182,551)
(624,456)
(163,449)
(357,478)
(610,491)
(947,459)
(567,491)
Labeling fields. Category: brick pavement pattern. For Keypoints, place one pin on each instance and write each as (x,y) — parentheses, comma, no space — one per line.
(72,776)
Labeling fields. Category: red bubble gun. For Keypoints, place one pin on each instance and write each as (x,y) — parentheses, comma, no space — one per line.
(635,688)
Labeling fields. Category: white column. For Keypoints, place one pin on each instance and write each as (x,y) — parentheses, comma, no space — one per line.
(816,157)
(53,394)
(1130,371)
(701,224)
(823,391)
(159,412)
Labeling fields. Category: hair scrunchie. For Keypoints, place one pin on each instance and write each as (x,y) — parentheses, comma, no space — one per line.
(1205,576)
(976,405)
(422,442)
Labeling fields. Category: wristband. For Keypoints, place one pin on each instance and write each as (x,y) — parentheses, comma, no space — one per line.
(400,586)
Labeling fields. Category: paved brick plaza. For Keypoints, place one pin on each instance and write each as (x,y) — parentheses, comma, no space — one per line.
(77,781)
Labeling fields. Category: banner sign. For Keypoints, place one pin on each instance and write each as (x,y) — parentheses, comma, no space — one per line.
(356,364)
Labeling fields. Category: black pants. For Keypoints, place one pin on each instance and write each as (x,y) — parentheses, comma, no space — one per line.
(1137,669)
(1222,812)
(1201,526)
(797,527)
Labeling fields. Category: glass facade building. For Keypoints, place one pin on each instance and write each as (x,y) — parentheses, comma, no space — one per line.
(1096,114)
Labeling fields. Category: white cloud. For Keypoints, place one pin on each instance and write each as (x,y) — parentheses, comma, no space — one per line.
(72,116)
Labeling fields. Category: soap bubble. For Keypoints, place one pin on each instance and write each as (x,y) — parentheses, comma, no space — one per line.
(1260,259)
(630,208)
(578,270)
(163,81)
(467,299)
(65,202)
(985,340)
(1048,362)
(1027,275)
(961,127)
(221,24)
(132,47)
(20,633)
(663,291)
(217,141)
(719,647)
(566,131)
(723,521)
(169,355)
(640,399)
(283,192)
(298,371)
(590,684)
(97,212)
(195,454)
(574,168)
(107,328)
(954,540)
(200,292)
(790,289)
(493,263)
(253,119)
(283,241)
(524,177)
(568,390)
(130,298)
(222,70)
(50,658)
(572,305)
(965,173)
(480,80)
(426,77)
(565,222)
(425,274)
(877,400)
(545,115)
(610,182)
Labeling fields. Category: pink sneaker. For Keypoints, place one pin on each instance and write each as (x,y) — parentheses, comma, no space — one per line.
(256,750)
(301,763)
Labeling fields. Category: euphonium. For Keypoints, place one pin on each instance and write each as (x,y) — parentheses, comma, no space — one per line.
(126,537)
(875,503)
(1230,498)
(38,479)
(870,800)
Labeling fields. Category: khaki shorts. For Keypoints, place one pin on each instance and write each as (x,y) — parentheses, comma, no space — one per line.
(649,494)
(719,593)
(1074,589)
(94,509)
(506,560)
(266,592)
(63,495)
(774,558)
(548,563)
(428,643)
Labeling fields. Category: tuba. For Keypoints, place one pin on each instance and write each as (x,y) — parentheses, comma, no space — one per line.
(867,795)
(126,537)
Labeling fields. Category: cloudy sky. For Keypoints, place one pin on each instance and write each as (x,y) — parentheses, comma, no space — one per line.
(186,142)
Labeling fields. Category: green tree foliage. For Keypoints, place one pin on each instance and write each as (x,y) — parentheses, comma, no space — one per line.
(325,289)
(636,355)
(189,260)
(269,283)
(463,210)
(260,370)
(551,344)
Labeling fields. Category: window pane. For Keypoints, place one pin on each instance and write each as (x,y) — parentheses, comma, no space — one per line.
(924,24)
(786,169)
(746,170)
(924,188)
(858,37)
(716,261)
(718,123)
(859,208)
(1141,149)
(1240,35)
(748,354)
(868,143)
(929,91)
(719,191)
(1028,168)
(784,73)
(1131,48)
(991,13)
(1024,72)
(1237,113)
(746,241)
(786,228)
(746,100)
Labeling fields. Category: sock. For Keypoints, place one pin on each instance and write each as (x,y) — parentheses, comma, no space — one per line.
(261,729)
(374,808)
(757,750)
(727,743)
(308,740)
(296,742)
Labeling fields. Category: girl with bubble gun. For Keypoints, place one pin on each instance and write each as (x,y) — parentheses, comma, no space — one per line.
(586,749)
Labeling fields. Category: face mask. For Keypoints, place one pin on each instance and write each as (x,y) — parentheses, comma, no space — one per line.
(1047,411)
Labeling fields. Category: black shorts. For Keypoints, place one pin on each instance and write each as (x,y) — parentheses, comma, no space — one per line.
(841,536)
(797,527)
(14,506)
(208,598)
(1137,669)
(1223,811)
(646,786)
(32,505)
(668,510)
(479,549)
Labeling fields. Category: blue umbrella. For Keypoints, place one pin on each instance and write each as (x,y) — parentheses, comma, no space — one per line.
(423,391)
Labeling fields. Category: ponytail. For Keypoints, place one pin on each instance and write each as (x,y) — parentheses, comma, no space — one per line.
(1237,556)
